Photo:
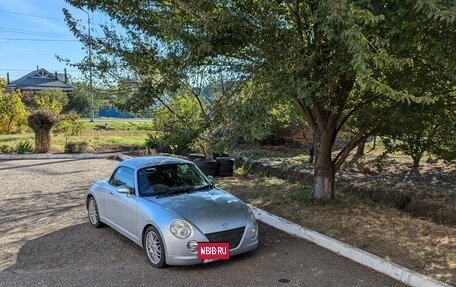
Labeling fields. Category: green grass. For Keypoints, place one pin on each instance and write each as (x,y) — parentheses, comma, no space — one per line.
(117,125)
(121,135)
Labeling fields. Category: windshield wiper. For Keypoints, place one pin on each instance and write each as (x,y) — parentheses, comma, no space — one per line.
(202,187)
(185,190)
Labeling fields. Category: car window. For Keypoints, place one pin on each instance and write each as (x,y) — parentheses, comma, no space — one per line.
(164,178)
(123,176)
(188,175)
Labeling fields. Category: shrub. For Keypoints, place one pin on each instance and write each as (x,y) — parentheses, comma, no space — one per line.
(52,100)
(69,125)
(13,114)
(23,146)
(76,147)
(6,149)
(41,122)
(153,141)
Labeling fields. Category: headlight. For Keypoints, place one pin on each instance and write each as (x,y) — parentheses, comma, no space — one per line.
(180,228)
(252,216)
(254,230)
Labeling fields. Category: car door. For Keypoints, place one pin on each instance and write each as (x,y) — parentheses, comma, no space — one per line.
(122,207)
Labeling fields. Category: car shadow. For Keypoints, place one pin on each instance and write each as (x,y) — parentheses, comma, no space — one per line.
(81,245)
(74,247)
(80,255)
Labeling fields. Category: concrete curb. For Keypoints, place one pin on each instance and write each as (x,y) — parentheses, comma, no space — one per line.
(58,156)
(372,261)
(362,257)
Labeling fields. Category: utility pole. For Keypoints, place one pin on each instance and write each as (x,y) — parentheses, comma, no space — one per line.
(92,112)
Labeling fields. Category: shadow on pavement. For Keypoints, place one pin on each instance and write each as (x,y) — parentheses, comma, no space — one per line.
(80,256)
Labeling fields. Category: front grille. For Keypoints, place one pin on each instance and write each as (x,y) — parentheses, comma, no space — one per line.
(232,236)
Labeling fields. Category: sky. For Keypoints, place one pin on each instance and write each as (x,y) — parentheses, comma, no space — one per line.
(32,32)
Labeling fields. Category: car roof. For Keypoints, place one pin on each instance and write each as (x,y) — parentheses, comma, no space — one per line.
(141,162)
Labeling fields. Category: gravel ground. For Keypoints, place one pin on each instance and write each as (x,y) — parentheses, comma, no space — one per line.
(46,241)
(43,196)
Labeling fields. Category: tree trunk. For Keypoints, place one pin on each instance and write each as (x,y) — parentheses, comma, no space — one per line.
(324,172)
(360,149)
(311,149)
(42,141)
(416,166)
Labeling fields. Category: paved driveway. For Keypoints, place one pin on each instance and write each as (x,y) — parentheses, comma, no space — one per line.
(46,241)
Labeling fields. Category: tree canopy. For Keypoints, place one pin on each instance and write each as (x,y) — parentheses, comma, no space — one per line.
(332,58)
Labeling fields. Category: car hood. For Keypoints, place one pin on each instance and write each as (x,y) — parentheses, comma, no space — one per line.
(209,211)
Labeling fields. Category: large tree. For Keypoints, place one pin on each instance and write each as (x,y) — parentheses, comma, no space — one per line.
(330,57)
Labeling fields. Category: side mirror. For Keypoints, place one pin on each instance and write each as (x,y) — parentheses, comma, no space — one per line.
(123,189)
(211,179)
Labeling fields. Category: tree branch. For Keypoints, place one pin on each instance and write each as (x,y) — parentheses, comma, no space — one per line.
(354,109)
(353,142)
(200,104)
(306,112)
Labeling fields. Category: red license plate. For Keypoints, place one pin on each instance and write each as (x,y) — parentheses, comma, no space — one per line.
(213,251)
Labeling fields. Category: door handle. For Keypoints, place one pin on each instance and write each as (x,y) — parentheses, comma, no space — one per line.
(110,193)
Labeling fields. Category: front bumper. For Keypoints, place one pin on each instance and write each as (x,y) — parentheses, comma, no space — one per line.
(177,252)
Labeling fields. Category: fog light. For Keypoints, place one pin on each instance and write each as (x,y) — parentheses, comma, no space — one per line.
(254,233)
(192,246)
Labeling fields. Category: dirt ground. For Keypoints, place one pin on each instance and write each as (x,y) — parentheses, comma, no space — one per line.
(421,245)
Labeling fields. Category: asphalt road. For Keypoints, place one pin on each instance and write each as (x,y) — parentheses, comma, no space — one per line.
(45,240)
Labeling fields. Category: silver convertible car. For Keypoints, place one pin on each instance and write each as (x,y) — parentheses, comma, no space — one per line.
(168,206)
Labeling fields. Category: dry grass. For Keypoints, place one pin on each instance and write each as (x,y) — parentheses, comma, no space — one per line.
(420,245)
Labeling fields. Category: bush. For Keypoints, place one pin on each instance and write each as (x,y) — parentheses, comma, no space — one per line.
(180,129)
(23,146)
(13,114)
(6,149)
(76,147)
(52,100)
(41,122)
(69,125)
(153,141)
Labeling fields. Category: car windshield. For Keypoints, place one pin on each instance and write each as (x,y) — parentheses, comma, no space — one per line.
(171,178)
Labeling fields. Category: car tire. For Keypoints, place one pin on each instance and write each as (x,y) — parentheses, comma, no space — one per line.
(154,248)
(93,214)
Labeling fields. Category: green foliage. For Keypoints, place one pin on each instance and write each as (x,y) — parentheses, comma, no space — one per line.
(4,148)
(177,126)
(76,147)
(23,146)
(69,125)
(78,101)
(242,170)
(13,113)
(328,57)
(253,116)
(153,141)
(53,100)
(418,129)
(303,194)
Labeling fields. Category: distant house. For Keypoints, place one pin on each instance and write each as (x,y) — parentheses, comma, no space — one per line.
(41,80)
(37,81)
